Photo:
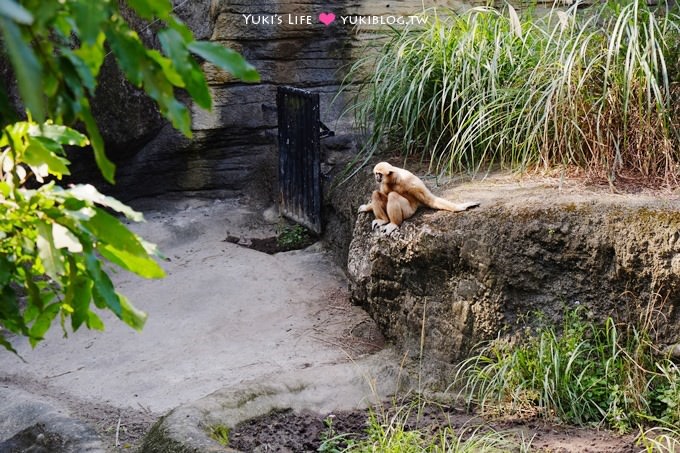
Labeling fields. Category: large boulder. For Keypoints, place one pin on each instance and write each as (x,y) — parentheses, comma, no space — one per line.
(445,281)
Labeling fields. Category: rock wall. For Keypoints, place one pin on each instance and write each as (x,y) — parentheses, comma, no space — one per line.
(234,145)
(452,280)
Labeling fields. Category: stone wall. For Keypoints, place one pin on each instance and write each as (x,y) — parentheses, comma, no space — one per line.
(235,144)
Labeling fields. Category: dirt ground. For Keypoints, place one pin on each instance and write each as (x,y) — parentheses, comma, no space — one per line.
(286,431)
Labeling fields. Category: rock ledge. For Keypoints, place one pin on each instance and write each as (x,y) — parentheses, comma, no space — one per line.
(530,248)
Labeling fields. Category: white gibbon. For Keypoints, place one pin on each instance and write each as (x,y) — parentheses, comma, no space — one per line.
(399,196)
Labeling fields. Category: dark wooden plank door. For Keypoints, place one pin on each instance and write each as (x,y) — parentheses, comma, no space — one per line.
(299,156)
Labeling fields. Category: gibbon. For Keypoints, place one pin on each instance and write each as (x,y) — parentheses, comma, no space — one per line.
(400,194)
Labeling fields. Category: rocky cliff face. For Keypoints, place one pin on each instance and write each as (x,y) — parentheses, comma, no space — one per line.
(234,145)
(453,280)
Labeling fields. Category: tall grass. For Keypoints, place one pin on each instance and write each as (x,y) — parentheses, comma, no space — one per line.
(598,89)
(584,373)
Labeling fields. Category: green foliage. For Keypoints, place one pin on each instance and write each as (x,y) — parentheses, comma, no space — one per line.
(220,433)
(596,89)
(665,395)
(57,245)
(52,240)
(58,48)
(293,237)
(584,373)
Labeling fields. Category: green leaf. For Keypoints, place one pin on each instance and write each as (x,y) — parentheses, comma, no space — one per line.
(58,133)
(197,85)
(110,231)
(92,55)
(78,73)
(103,293)
(49,255)
(161,90)
(9,311)
(51,85)
(34,296)
(6,271)
(129,51)
(131,316)
(144,266)
(89,17)
(46,14)
(87,192)
(12,10)
(226,59)
(178,114)
(82,294)
(94,322)
(74,83)
(26,67)
(38,154)
(141,68)
(193,78)
(148,9)
(62,23)
(31,313)
(105,296)
(43,323)
(168,68)
(107,167)
(7,345)
(176,24)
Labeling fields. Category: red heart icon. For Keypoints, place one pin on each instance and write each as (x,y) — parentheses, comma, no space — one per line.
(326,18)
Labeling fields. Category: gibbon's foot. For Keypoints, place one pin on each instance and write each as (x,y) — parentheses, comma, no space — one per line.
(471,204)
(389,229)
(377,223)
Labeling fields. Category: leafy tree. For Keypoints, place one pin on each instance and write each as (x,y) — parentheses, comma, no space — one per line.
(57,243)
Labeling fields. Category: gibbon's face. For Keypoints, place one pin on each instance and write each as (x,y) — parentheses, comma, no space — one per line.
(381,170)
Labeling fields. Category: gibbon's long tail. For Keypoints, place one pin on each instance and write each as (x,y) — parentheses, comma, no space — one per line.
(441,203)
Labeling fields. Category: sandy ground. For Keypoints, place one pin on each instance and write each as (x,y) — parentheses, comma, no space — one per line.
(224,314)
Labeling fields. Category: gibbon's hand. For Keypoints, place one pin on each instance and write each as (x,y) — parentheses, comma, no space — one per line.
(365,208)
(377,223)
(388,229)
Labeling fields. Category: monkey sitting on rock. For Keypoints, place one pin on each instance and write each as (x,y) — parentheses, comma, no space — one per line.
(398,198)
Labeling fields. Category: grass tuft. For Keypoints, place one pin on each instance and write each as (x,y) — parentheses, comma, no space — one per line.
(583,373)
(219,433)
